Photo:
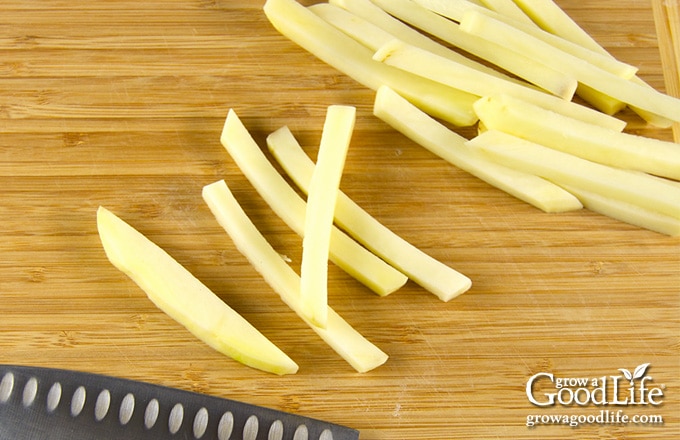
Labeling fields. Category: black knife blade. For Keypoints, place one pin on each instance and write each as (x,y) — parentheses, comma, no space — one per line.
(44,403)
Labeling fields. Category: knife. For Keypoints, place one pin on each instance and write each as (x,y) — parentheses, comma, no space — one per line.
(46,403)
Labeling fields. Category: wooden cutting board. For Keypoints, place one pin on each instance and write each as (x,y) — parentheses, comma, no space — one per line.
(121,103)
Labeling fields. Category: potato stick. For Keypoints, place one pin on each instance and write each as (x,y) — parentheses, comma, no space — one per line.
(379,276)
(184,298)
(377,27)
(597,99)
(626,212)
(349,56)
(624,150)
(321,198)
(361,354)
(454,9)
(435,137)
(507,8)
(544,76)
(438,278)
(356,27)
(451,9)
(640,189)
(514,39)
(603,61)
(549,16)
(420,62)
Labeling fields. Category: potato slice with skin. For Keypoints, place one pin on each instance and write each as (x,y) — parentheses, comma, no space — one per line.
(639,96)
(443,281)
(337,49)
(648,192)
(362,264)
(420,62)
(624,150)
(361,354)
(185,299)
(323,190)
(427,132)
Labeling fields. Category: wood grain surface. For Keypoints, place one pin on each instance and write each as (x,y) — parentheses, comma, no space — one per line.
(120,103)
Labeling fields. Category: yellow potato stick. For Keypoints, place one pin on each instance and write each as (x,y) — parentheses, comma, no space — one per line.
(341,51)
(432,135)
(648,192)
(455,9)
(542,75)
(627,212)
(362,264)
(507,8)
(321,197)
(592,142)
(420,62)
(438,278)
(549,16)
(373,27)
(360,353)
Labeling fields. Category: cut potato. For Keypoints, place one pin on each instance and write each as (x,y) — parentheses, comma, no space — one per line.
(511,38)
(600,60)
(627,212)
(438,278)
(337,49)
(362,264)
(361,354)
(549,16)
(448,72)
(507,8)
(373,27)
(406,57)
(323,190)
(185,299)
(454,9)
(544,76)
(648,192)
(427,132)
(624,150)
(451,9)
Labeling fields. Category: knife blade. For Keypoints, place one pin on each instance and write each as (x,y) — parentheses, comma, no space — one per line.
(46,403)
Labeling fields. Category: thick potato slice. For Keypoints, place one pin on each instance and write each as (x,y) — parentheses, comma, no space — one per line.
(185,299)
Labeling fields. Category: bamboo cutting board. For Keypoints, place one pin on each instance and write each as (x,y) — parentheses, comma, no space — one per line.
(120,103)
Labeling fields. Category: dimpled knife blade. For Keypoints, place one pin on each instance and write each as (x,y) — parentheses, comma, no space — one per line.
(44,403)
